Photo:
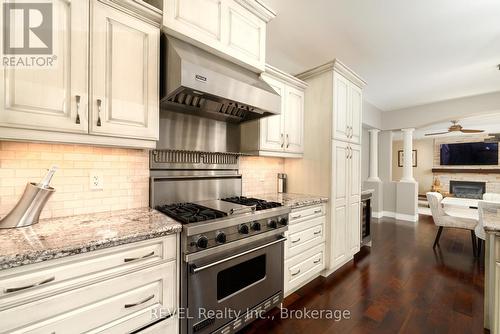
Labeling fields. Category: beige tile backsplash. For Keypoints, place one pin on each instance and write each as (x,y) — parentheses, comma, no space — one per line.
(125,173)
(260,174)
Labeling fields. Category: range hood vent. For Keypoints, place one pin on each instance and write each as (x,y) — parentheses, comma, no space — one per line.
(196,82)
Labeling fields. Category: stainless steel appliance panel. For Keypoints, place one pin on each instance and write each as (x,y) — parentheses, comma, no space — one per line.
(186,132)
(234,281)
(188,189)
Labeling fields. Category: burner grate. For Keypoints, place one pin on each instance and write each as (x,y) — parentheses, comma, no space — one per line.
(259,204)
(190,212)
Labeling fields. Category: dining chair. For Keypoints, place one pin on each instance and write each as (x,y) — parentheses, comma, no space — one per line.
(442,219)
(490,200)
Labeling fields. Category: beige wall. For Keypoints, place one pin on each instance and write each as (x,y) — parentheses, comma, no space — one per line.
(125,173)
(425,161)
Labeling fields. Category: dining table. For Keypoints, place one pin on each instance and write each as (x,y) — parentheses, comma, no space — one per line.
(461,207)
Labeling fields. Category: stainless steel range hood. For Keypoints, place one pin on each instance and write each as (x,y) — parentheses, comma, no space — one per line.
(196,82)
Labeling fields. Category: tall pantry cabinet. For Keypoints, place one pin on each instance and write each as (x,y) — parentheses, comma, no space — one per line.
(331,165)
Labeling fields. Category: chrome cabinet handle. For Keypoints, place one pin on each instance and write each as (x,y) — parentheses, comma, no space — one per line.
(45,281)
(318,232)
(295,274)
(140,302)
(317,211)
(129,259)
(77,97)
(287,141)
(317,261)
(295,241)
(99,103)
(282,140)
(297,217)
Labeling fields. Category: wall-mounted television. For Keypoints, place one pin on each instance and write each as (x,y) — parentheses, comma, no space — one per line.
(469,154)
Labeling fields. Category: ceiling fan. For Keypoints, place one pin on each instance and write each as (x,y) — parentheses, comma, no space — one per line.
(455,127)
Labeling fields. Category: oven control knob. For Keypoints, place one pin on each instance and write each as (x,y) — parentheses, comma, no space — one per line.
(243,229)
(256,226)
(220,237)
(273,224)
(284,221)
(202,242)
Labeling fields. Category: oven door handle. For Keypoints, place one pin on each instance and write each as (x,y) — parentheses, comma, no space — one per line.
(195,269)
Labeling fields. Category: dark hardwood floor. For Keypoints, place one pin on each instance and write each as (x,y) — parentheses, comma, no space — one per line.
(400,285)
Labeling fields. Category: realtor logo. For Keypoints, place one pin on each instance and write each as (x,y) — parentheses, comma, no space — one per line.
(27,28)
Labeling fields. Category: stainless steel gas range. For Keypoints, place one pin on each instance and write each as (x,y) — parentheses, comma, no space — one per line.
(231,246)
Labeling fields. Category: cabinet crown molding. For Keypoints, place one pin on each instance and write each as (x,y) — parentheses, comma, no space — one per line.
(259,8)
(139,9)
(288,78)
(334,65)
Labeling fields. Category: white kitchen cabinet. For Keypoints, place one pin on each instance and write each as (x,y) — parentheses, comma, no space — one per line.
(108,291)
(111,47)
(125,93)
(346,197)
(280,135)
(305,246)
(331,162)
(232,29)
(52,99)
(347,108)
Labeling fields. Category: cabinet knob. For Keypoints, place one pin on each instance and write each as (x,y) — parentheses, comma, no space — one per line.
(99,103)
(77,97)
(287,141)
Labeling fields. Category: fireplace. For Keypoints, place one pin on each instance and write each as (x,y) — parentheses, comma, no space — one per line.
(468,189)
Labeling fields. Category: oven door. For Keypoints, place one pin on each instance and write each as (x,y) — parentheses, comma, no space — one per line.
(224,287)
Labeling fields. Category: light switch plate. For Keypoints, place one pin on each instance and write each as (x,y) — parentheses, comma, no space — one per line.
(96,180)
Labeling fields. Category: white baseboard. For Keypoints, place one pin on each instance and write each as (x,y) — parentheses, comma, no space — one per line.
(389,214)
(395,215)
(410,218)
(377,214)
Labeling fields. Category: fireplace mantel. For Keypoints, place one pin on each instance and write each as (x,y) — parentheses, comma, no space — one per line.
(466,170)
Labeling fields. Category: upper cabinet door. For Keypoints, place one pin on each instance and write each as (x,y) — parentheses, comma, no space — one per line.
(355,106)
(223,27)
(272,136)
(46,98)
(197,20)
(246,36)
(294,120)
(125,96)
(341,112)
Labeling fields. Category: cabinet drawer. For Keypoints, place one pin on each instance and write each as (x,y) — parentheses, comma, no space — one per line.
(305,239)
(18,283)
(307,213)
(301,268)
(92,306)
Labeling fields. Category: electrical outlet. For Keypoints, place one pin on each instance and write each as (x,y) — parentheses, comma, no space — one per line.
(96,181)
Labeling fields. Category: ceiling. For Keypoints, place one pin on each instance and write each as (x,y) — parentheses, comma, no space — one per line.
(489,123)
(409,52)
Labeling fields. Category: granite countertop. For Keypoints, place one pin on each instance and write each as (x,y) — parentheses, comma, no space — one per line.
(293,201)
(491,219)
(60,237)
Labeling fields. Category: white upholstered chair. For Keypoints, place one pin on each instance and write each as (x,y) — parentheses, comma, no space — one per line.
(489,200)
(442,220)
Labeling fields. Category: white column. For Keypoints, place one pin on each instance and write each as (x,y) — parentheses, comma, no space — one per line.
(373,173)
(407,153)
